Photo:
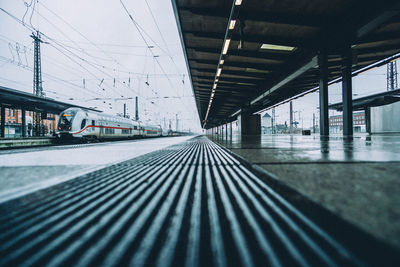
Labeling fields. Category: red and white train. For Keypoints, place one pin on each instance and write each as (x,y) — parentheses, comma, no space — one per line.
(90,125)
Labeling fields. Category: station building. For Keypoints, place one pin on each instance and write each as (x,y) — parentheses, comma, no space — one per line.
(13,123)
(359,125)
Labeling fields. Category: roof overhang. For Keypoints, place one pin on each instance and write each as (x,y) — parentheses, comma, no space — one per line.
(18,99)
(271,55)
(374,100)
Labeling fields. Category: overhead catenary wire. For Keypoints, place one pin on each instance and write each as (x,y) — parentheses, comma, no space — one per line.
(31,28)
(52,77)
(54,62)
(61,45)
(95,45)
(88,60)
(82,35)
(117,45)
(165,43)
(162,36)
(140,29)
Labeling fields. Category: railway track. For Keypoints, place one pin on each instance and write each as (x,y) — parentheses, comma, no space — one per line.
(192,204)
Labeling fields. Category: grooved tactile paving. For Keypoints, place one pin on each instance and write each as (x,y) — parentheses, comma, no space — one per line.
(191,204)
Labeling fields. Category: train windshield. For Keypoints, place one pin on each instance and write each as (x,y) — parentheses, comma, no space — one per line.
(65,121)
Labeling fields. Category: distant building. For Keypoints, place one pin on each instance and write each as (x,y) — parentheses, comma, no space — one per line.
(13,123)
(386,119)
(266,124)
(336,122)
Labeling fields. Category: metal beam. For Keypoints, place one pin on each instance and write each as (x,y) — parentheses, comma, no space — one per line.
(296,42)
(235,80)
(237,73)
(267,17)
(281,56)
(237,87)
(393,36)
(312,63)
(379,20)
(245,65)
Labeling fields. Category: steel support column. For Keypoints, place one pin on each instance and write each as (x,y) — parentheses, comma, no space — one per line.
(23,122)
(290,117)
(367,114)
(3,121)
(323,93)
(347,92)
(226,131)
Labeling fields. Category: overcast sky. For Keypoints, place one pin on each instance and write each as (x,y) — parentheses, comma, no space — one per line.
(91,43)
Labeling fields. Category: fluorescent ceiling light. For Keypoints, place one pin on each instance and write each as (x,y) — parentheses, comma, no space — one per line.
(278,47)
(232,24)
(221,62)
(219,72)
(226,46)
(238,2)
(215,86)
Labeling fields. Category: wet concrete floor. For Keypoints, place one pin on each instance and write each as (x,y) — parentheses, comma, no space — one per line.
(357,179)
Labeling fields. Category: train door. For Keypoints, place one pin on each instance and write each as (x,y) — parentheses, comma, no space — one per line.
(140,129)
(101,131)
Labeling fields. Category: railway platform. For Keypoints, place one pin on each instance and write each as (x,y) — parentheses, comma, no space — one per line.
(356,178)
(193,203)
(6,143)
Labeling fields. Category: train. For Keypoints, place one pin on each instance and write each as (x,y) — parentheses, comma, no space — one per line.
(88,125)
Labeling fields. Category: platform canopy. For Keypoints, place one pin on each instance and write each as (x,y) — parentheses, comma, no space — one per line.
(12,98)
(374,100)
(253,54)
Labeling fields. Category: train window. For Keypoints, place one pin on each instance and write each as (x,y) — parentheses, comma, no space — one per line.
(93,123)
(135,127)
(109,131)
(83,123)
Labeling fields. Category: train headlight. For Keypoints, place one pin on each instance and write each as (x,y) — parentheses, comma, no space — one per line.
(69,128)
